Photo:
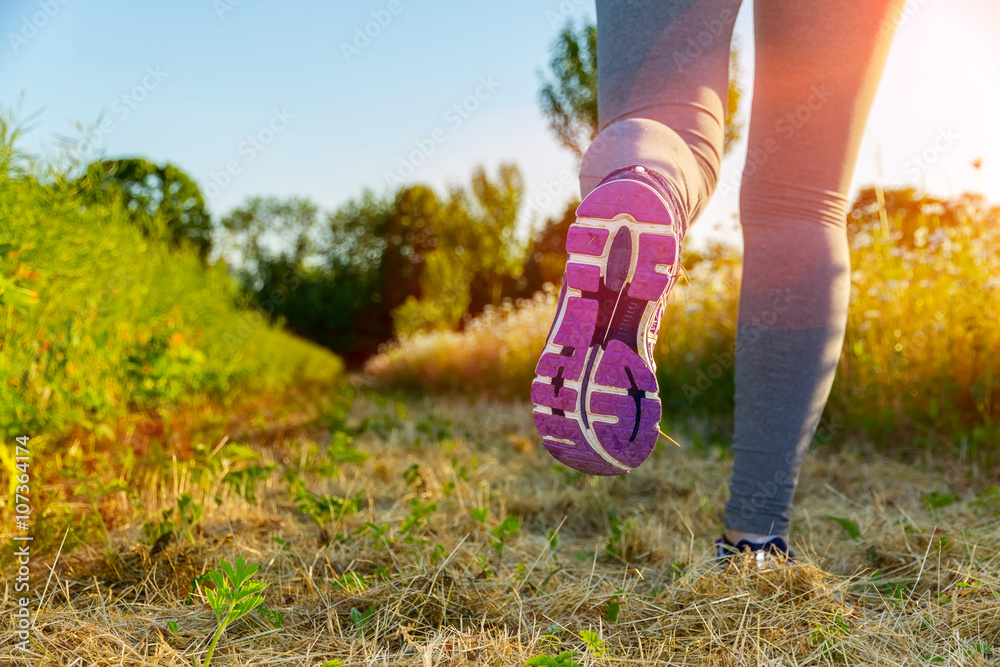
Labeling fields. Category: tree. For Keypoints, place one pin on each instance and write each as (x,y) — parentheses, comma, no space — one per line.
(267,231)
(473,257)
(569,98)
(487,213)
(546,258)
(408,261)
(410,234)
(155,195)
(375,257)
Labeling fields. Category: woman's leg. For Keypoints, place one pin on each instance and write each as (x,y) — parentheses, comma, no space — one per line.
(663,77)
(818,63)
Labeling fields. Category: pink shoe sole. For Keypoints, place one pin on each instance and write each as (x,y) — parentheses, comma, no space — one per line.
(595,393)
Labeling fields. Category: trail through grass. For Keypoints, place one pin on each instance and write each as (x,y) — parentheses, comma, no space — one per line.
(442,534)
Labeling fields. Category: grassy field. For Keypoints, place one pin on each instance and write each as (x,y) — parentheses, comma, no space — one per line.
(919,363)
(438,532)
(173,433)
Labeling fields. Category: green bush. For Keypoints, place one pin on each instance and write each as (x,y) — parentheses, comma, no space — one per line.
(100,319)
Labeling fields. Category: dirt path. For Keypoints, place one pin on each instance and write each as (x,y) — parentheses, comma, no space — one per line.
(455,540)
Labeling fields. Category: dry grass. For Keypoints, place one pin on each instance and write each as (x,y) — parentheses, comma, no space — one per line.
(920,586)
(918,367)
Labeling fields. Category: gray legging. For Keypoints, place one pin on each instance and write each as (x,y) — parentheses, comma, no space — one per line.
(662,82)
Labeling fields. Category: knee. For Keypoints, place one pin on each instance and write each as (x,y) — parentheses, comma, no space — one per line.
(776,200)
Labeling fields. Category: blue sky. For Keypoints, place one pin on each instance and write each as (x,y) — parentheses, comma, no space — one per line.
(252,97)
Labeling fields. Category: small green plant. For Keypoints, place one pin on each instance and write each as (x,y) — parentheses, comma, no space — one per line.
(894,592)
(174,521)
(362,619)
(212,464)
(160,532)
(484,567)
(613,607)
(94,490)
(351,581)
(439,553)
(552,540)
(327,460)
(383,424)
(434,428)
(849,526)
(568,477)
(190,514)
(594,643)
(979,648)
(621,538)
(340,450)
(419,511)
(507,530)
(988,499)
(461,472)
(564,659)
(275,618)
(615,538)
(480,514)
(827,637)
(246,480)
(321,508)
(235,595)
(412,476)
(935,500)
(378,532)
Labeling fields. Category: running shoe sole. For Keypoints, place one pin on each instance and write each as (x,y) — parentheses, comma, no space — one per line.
(595,393)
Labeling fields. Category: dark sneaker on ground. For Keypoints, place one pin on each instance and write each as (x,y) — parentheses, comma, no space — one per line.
(766,553)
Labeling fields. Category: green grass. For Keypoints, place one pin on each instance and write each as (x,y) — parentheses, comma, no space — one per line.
(469,546)
(106,333)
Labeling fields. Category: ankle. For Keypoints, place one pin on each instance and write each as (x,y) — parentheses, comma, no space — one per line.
(735,536)
(641,141)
